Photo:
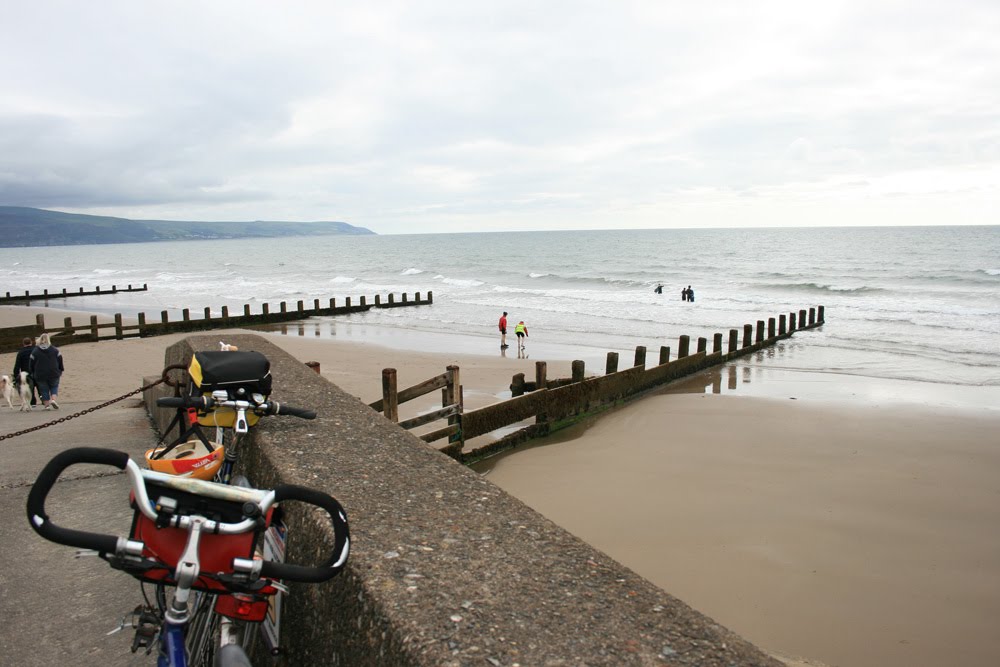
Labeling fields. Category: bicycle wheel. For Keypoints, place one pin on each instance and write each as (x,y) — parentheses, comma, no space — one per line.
(202,631)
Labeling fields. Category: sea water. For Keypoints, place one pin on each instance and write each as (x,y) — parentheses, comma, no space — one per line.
(906,303)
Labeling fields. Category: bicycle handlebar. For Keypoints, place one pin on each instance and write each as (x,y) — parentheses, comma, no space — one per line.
(39,520)
(264,500)
(207,403)
(342,541)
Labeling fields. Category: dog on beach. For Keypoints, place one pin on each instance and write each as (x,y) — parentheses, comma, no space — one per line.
(226,347)
(24,390)
(7,390)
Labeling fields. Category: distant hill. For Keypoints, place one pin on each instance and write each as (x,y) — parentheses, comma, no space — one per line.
(21,227)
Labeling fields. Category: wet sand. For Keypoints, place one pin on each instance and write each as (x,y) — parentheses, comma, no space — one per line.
(853,525)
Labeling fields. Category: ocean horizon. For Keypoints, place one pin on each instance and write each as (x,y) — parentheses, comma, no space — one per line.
(918,304)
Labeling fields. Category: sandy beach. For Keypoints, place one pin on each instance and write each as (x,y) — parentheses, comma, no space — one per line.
(854,530)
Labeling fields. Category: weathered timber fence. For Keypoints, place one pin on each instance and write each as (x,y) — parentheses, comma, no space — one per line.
(451,403)
(558,403)
(45,295)
(68,333)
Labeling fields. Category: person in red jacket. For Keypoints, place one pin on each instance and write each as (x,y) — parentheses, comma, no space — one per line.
(503,330)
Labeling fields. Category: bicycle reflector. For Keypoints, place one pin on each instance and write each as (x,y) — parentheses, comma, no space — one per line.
(190,459)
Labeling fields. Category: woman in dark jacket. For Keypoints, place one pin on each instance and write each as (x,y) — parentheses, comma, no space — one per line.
(23,363)
(46,367)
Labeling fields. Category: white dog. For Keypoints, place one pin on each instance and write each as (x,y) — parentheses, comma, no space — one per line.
(6,389)
(24,389)
(226,347)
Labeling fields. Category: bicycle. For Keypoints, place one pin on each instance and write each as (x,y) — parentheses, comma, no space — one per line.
(194,535)
(228,390)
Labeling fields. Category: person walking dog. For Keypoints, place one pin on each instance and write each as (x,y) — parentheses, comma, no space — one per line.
(22,363)
(46,367)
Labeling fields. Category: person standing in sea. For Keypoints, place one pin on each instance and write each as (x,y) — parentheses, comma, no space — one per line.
(46,367)
(503,330)
(522,332)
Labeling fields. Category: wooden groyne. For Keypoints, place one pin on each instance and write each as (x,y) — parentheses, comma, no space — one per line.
(557,403)
(46,295)
(69,333)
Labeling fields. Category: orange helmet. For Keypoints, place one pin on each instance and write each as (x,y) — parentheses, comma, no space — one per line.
(191,459)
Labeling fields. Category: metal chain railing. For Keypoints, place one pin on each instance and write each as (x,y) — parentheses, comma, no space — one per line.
(163,378)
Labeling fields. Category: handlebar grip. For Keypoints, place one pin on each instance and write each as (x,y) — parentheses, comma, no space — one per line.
(282,409)
(203,402)
(39,520)
(341,540)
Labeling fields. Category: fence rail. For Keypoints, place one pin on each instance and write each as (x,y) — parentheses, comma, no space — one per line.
(69,333)
(451,402)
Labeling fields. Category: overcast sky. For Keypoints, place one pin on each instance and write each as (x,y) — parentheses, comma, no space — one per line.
(411,117)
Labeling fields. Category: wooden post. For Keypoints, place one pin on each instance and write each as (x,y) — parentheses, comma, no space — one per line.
(208,313)
(812,316)
(747,335)
(782,324)
(164,316)
(347,302)
(820,317)
(378,300)
(40,322)
(45,292)
(517,385)
(94,332)
(361,300)
(612,363)
(265,309)
(186,315)
(114,289)
(333,304)
(455,398)
(702,344)
(390,404)
(683,347)
(664,354)
(717,343)
(541,370)
(68,324)
(391,297)
(802,319)
(316,305)
(578,371)
(225,312)
(142,325)
(64,291)
(760,331)
(734,339)
(416,298)
(770,327)
(791,322)
(430,297)
(640,355)
(283,307)
(300,306)
(119,334)
(404,297)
